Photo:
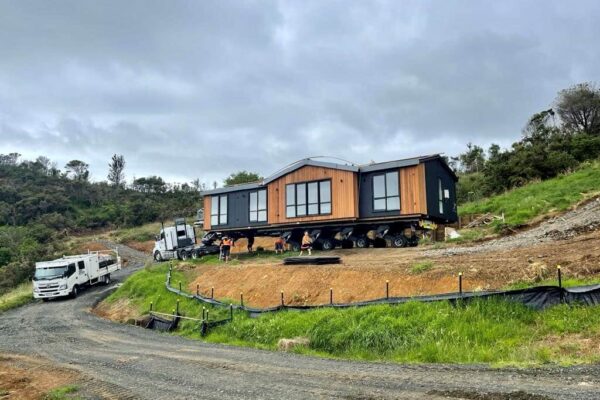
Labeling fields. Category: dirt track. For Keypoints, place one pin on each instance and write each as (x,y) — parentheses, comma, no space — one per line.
(121,361)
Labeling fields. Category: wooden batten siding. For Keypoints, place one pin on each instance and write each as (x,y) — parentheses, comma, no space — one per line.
(207,201)
(412,190)
(344,194)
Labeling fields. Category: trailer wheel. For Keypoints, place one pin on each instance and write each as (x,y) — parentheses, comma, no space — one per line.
(362,242)
(157,256)
(327,244)
(399,241)
(294,246)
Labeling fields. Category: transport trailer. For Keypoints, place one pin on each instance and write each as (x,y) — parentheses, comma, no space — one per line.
(68,275)
(340,205)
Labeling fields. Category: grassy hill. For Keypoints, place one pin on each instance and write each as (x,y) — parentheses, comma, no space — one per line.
(533,200)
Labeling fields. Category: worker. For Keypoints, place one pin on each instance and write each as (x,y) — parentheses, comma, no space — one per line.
(279,243)
(250,243)
(226,244)
(306,244)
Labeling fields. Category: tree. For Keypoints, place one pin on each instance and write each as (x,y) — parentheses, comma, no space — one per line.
(9,159)
(473,160)
(115,170)
(579,108)
(78,169)
(241,177)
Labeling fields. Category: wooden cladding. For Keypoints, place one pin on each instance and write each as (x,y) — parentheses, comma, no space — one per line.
(412,190)
(344,194)
(207,208)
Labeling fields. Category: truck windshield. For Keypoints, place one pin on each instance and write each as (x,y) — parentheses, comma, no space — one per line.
(49,272)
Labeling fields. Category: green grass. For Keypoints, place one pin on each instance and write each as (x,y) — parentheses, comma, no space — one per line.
(17,297)
(420,267)
(3,392)
(138,234)
(62,393)
(494,332)
(523,204)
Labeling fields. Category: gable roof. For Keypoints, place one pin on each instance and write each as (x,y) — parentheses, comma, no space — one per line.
(406,162)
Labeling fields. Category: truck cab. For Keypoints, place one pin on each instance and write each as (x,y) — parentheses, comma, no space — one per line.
(172,239)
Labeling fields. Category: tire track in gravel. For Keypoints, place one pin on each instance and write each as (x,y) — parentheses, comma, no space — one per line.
(125,362)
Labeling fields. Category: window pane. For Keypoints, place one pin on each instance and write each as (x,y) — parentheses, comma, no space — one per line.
(262,215)
(379,204)
(301,210)
(393,203)
(290,211)
(253,201)
(222,219)
(290,199)
(301,193)
(262,200)
(313,193)
(325,208)
(325,191)
(214,220)
(391,181)
(253,216)
(214,205)
(313,209)
(223,209)
(379,186)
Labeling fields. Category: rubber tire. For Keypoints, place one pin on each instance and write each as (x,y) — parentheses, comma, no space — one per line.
(399,241)
(75,292)
(184,255)
(107,279)
(195,255)
(293,245)
(327,244)
(157,256)
(362,242)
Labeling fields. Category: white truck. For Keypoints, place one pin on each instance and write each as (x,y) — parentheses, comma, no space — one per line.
(179,242)
(66,276)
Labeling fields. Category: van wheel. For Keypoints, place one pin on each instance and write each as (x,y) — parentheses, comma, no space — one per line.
(75,292)
(294,246)
(158,256)
(399,241)
(362,242)
(327,244)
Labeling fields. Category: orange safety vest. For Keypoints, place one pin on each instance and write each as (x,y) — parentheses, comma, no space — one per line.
(227,242)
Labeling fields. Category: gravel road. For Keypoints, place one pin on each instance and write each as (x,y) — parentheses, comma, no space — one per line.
(126,362)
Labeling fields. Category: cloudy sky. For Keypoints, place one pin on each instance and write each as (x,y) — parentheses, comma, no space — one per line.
(198,89)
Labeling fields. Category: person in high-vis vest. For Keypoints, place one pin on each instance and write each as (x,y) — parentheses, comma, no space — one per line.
(226,244)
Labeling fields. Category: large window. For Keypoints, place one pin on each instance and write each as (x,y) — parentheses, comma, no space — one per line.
(309,198)
(258,206)
(218,210)
(386,194)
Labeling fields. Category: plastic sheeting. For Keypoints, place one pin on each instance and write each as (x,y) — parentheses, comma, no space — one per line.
(311,260)
(162,324)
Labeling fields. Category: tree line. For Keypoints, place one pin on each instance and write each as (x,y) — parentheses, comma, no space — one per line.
(554,141)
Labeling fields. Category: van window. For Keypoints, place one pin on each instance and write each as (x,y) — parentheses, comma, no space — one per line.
(81,265)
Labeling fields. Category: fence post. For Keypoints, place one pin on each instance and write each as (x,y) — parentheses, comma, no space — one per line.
(331,296)
(197,289)
(212,292)
(231,312)
(180,286)
(177,306)
(387,289)
(150,306)
(282,304)
(460,288)
(242,299)
(203,313)
(559,271)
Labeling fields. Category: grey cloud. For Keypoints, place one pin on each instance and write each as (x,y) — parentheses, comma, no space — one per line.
(199,89)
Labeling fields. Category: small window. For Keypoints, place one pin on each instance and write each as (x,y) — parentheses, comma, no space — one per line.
(81,265)
(71,269)
(311,198)
(440,196)
(386,192)
(290,196)
(218,210)
(258,206)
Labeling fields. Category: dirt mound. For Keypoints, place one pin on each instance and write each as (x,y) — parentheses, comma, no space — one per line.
(121,310)
(144,247)
(82,248)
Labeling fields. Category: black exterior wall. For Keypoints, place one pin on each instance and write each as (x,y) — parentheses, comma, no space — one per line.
(434,170)
(365,192)
(238,215)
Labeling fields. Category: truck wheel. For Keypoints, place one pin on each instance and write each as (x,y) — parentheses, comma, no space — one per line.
(327,244)
(195,255)
(362,242)
(294,246)
(107,279)
(158,256)
(184,255)
(75,292)
(399,241)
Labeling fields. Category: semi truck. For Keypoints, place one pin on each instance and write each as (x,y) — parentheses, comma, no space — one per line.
(338,204)
(179,242)
(68,275)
